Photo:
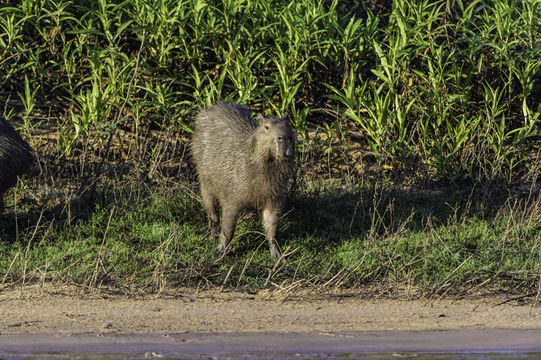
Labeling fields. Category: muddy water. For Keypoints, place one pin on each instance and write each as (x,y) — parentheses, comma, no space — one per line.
(429,344)
(279,356)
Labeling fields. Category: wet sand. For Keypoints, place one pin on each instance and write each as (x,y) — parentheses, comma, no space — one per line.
(453,340)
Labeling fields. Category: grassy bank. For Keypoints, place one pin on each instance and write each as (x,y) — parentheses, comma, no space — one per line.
(419,141)
(337,235)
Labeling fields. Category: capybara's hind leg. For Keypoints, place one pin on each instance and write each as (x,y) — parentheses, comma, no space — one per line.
(210,203)
(229,220)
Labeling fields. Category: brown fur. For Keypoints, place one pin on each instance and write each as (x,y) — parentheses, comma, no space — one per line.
(241,164)
(15,157)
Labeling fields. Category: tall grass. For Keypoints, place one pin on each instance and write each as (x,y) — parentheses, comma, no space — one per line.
(454,83)
(143,239)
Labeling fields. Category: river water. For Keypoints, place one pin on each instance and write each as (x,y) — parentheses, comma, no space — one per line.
(468,343)
(280,356)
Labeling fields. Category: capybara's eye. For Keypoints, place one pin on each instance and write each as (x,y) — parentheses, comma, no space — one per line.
(267,127)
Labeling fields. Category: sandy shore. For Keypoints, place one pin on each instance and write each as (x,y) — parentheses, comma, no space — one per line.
(55,315)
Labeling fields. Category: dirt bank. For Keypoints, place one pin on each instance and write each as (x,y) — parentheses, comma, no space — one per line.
(62,319)
(60,309)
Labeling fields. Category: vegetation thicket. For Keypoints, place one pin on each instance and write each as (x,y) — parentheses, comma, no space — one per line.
(382,95)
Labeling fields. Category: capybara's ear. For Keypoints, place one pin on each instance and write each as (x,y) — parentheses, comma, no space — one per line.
(286,117)
(259,118)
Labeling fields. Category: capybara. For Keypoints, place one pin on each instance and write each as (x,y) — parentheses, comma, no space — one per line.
(242,164)
(15,157)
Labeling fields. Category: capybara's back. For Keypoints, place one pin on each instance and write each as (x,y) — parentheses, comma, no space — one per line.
(219,146)
(242,163)
(15,156)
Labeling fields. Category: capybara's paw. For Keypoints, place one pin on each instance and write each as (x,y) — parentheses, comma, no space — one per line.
(220,251)
(275,251)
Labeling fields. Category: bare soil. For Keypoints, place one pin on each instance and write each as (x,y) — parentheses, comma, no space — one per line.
(68,310)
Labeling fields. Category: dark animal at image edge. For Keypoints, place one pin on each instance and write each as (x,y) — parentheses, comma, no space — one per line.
(242,164)
(15,157)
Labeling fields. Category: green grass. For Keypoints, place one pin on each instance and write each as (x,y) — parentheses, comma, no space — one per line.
(337,234)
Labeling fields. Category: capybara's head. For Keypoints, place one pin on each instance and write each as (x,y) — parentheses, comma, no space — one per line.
(278,137)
